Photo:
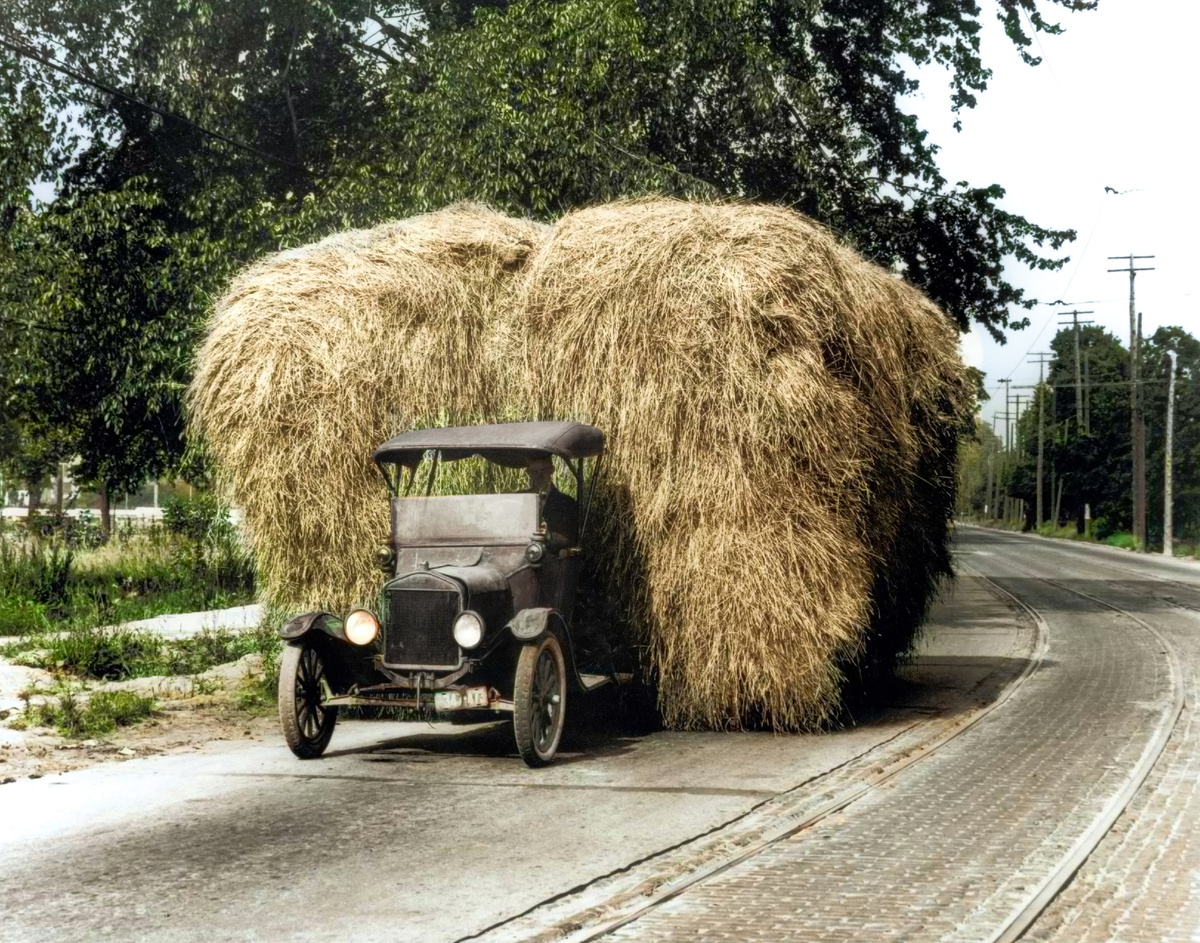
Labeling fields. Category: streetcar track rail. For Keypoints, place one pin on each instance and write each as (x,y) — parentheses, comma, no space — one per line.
(585,927)
(1044,892)
(1082,550)
(1024,916)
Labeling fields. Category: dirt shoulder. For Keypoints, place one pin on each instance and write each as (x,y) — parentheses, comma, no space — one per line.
(219,704)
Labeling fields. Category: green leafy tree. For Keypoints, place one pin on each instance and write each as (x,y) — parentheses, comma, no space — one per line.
(1155,369)
(539,107)
(187,137)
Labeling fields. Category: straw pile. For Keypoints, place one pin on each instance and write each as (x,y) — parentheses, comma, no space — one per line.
(315,356)
(782,420)
(783,415)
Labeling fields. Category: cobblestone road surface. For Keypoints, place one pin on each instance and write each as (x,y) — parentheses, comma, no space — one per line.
(952,847)
(1142,883)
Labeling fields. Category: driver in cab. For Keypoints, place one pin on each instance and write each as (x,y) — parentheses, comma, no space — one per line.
(559,511)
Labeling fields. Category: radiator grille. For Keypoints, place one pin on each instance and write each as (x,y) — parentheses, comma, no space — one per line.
(420,628)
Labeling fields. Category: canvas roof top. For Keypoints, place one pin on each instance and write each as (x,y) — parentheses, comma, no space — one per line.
(507,443)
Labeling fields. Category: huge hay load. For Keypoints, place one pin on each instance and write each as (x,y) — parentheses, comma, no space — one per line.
(316,355)
(782,419)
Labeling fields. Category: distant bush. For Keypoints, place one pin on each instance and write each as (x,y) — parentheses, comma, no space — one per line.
(80,532)
(1122,540)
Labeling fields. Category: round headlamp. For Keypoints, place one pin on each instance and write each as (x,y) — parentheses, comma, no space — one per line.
(535,551)
(385,558)
(468,629)
(361,627)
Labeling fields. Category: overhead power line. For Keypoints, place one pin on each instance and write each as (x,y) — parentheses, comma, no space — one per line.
(161,112)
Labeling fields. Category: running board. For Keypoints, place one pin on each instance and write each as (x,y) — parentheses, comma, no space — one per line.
(591,682)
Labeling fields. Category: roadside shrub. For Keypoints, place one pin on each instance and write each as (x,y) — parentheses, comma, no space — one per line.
(106,654)
(80,532)
(1123,540)
(199,518)
(35,572)
(103,713)
(207,549)
(21,616)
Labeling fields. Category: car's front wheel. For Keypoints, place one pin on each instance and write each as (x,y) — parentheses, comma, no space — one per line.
(540,700)
(307,723)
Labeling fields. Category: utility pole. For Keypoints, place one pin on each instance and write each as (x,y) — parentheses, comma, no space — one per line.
(1087,399)
(1018,454)
(1041,400)
(988,507)
(1006,405)
(1003,454)
(1168,495)
(1001,496)
(1017,427)
(1135,405)
(1074,316)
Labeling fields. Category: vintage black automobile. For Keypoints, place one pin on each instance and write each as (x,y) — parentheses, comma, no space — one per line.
(475,619)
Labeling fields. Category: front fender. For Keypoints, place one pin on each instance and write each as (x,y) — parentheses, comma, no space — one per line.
(529,624)
(317,621)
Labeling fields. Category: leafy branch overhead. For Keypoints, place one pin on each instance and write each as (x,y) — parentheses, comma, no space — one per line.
(347,112)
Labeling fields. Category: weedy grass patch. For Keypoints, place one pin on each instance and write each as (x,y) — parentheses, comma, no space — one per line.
(101,714)
(117,654)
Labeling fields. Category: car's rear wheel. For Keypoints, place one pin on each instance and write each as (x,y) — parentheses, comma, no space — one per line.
(540,700)
(307,724)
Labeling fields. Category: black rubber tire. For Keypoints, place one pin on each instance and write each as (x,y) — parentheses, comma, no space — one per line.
(540,700)
(307,726)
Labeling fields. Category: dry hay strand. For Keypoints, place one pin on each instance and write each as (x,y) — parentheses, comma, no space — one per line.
(315,356)
(781,416)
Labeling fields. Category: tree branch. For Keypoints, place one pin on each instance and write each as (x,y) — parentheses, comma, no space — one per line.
(359,44)
(394,33)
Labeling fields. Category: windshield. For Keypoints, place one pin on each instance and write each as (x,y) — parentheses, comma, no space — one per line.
(477,476)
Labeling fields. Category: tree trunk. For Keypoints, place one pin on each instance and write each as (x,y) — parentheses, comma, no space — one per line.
(105,514)
(35,496)
(58,493)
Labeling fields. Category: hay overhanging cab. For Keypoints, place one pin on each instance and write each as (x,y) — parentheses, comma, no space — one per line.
(476,615)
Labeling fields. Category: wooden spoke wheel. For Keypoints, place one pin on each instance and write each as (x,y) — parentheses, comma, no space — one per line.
(540,700)
(307,723)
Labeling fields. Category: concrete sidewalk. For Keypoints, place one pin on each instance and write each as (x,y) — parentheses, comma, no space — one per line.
(187,624)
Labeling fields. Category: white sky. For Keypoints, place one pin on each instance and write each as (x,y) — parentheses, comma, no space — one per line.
(1114,103)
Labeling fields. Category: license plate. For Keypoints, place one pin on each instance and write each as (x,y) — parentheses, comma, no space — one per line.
(460,700)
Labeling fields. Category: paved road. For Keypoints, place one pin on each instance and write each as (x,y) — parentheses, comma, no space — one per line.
(940,819)
(407,832)
(962,842)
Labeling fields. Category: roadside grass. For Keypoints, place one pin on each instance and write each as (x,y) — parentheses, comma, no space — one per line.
(20,615)
(1123,540)
(117,654)
(193,561)
(101,714)
(1182,548)
(259,696)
